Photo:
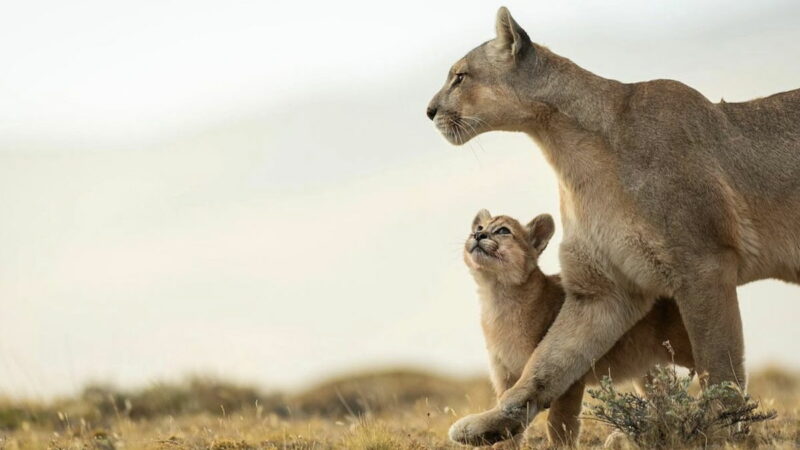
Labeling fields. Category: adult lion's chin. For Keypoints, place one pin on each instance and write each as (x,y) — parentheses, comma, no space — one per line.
(456,130)
(455,139)
(454,136)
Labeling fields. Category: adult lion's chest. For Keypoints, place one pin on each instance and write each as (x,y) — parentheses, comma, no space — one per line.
(603,229)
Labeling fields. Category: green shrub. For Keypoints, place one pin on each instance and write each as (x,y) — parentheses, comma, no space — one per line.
(669,416)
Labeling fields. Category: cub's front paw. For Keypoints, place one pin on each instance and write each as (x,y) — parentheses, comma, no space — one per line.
(487,427)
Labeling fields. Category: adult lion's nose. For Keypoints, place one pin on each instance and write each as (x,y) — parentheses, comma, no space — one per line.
(431,112)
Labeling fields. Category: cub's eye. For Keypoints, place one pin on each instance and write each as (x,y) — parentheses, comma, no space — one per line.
(459,78)
(502,230)
(480,228)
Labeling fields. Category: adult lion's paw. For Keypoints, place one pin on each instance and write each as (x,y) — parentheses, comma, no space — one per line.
(488,427)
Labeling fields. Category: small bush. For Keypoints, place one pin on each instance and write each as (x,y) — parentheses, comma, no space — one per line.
(13,416)
(668,416)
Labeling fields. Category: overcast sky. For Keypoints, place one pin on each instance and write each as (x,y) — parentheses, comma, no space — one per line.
(251,189)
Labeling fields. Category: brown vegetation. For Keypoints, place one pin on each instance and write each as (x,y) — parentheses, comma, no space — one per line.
(382,410)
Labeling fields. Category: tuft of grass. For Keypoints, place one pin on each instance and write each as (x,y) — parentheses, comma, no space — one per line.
(669,416)
(227,444)
(370,435)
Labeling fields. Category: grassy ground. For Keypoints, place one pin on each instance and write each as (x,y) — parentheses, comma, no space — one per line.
(386,410)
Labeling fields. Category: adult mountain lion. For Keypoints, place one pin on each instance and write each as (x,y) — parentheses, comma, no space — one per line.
(663,194)
(519,304)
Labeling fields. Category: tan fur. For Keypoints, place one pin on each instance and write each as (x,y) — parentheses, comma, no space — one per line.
(515,316)
(663,194)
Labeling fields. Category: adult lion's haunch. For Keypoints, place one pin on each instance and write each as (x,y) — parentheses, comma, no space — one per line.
(663,194)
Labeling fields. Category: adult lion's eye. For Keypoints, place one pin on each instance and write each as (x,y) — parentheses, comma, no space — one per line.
(502,230)
(459,78)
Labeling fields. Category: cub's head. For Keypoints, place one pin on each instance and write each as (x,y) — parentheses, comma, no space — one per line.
(484,90)
(502,249)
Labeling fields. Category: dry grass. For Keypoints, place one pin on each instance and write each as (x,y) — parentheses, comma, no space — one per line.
(386,410)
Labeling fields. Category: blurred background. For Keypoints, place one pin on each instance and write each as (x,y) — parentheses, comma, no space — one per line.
(252,189)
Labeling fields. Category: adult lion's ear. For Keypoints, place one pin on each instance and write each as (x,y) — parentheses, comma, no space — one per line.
(511,38)
(482,216)
(540,230)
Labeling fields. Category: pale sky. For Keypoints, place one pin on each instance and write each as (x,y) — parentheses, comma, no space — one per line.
(251,189)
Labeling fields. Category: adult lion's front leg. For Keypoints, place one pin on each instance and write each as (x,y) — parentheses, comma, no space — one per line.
(596,313)
(490,426)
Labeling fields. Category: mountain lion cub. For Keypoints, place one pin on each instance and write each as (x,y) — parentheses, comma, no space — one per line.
(519,304)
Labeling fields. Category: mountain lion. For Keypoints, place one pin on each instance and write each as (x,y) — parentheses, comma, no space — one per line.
(663,194)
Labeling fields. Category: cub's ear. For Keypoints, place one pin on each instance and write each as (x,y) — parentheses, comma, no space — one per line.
(511,38)
(483,216)
(540,230)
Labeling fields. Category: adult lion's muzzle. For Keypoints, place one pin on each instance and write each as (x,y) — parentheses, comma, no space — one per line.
(433,107)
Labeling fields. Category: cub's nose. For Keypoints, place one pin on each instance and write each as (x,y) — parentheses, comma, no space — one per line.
(479,236)
(431,113)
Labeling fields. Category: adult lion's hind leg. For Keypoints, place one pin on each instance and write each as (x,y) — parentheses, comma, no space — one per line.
(710,311)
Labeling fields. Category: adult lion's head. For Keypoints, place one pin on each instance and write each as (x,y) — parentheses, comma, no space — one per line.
(484,90)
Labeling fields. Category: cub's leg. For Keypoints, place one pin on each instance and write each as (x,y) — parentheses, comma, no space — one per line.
(710,311)
(563,425)
(500,376)
(596,313)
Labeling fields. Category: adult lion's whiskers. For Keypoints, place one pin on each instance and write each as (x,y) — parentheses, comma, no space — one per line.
(473,137)
(461,126)
(457,129)
(476,119)
(454,131)
(475,133)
